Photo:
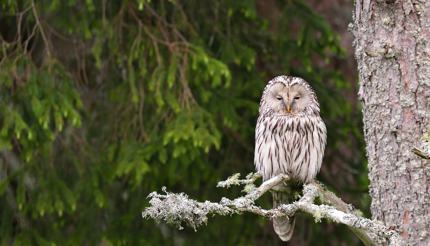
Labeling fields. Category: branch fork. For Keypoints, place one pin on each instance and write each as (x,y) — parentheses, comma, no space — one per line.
(177,209)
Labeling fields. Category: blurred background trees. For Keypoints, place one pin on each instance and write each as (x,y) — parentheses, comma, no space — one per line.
(102,102)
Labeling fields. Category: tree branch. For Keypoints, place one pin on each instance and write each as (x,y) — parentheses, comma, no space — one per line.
(424,151)
(177,209)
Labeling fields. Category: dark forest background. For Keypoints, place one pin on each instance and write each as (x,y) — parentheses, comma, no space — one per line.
(102,102)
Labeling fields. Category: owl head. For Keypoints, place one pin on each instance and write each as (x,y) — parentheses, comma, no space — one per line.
(288,96)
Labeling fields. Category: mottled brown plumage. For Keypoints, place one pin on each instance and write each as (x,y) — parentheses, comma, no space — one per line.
(290,138)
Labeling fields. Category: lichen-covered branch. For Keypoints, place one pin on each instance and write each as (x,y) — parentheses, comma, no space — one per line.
(329,198)
(178,209)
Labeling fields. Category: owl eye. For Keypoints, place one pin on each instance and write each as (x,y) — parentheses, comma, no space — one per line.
(296,97)
(278,97)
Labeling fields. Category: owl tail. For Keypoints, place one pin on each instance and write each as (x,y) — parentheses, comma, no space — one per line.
(283,226)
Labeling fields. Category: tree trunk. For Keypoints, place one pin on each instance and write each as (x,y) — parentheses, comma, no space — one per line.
(392,48)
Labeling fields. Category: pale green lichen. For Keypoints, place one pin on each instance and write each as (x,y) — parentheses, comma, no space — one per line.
(317,217)
(232,180)
(248,188)
(176,209)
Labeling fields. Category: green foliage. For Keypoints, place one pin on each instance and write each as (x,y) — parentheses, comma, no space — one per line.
(102,102)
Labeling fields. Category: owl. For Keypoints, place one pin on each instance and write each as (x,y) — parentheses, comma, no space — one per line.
(290,139)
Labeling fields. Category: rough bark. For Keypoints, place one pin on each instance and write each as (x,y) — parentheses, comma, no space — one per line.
(392,48)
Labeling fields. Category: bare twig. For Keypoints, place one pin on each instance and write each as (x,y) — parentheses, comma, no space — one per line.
(421,153)
(42,32)
(424,149)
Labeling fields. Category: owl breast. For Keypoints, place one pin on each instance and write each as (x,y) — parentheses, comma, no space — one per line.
(289,145)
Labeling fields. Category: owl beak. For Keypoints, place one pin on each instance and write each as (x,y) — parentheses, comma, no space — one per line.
(288,108)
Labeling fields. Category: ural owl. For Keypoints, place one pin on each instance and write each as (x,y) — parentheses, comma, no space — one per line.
(290,138)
